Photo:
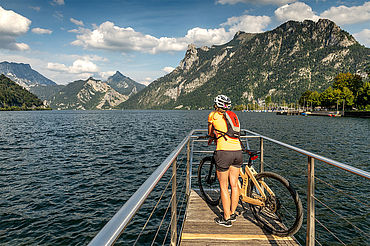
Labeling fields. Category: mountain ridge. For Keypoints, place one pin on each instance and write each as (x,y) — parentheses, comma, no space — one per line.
(23,74)
(281,63)
(94,94)
(124,84)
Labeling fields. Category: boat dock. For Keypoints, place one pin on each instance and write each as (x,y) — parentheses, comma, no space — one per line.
(178,215)
(200,228)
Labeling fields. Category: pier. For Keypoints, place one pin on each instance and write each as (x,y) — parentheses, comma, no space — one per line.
(186,219)
(200,228)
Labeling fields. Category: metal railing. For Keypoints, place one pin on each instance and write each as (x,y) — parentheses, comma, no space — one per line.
(114,228)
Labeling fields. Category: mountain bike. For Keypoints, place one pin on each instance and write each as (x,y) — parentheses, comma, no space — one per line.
(272,199)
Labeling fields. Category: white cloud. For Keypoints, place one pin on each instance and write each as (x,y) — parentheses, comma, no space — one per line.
(296,11)
(201,36)
(80,66)
(363,37)
(84,76)
(58,2)
(74,31)
(146,81)
(57,67)
(247,23)
(168,69)
(36,8)
(94,58)
(76,22)
(18,46)
(38,30)
(106,75)
(274,2)
(108,36)
(348,15)
(12,25)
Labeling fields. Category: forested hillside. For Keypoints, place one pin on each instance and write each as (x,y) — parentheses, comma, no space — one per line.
(12,95)
(280,64)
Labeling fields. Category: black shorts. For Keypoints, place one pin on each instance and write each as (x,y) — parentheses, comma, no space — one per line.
(226,158)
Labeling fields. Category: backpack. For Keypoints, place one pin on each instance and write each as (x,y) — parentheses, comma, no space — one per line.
(233,125)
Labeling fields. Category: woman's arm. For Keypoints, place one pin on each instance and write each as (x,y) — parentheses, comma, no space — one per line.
(211,133)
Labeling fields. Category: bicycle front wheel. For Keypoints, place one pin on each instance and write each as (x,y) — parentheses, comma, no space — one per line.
(282,214)
(208,182)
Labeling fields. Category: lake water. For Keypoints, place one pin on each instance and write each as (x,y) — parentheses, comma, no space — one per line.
(64,174)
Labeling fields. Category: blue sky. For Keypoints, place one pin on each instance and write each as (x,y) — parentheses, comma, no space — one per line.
(67,40)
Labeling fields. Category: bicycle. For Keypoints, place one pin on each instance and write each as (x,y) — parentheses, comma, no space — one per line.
(272,199)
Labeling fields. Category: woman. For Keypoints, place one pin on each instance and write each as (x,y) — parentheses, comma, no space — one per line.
(228,157)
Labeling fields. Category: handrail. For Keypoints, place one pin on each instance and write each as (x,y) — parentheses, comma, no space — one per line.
(343,166)
(113,229)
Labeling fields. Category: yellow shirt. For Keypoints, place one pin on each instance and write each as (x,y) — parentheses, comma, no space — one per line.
(217,120)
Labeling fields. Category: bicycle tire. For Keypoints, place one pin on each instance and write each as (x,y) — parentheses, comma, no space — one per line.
(272,217)
(208,181)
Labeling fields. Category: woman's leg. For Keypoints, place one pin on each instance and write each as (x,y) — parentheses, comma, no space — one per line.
(233,176)
(223,178)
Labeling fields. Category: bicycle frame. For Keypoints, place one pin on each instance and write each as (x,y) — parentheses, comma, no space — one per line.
(249,173)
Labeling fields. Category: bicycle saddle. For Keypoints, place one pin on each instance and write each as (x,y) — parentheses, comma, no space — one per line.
(252,152)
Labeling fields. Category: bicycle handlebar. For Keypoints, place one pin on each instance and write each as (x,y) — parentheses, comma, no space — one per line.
(205,137)
(248,151)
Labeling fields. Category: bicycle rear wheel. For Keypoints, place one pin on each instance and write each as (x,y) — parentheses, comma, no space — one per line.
(282,214)
(208,182)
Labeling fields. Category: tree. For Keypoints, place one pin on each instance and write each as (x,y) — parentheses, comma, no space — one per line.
(363,97)
(351,81)
(314,99)
(347,96)
(330,97)
(268,101)
(304,98)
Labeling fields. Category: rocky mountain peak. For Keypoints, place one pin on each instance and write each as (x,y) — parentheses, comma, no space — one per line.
(118,75)
(191,57)
(323,31)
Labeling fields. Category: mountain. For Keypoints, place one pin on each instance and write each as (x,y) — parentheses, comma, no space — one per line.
(23,74)
(124,85)
(87,94)
(12,94)
(45,92)
(281,63)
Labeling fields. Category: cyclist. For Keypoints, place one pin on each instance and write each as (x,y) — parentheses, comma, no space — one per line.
(228,157)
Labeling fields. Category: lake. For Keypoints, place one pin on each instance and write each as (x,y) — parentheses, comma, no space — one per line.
(64,174)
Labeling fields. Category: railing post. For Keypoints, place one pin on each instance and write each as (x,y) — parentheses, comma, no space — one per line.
(174,206)
(261,158)
(188,170)
(310,237)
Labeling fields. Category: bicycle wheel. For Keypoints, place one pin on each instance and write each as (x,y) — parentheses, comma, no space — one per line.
(208,182)
(282,214)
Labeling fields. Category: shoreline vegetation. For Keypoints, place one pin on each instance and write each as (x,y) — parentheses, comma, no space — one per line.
(16,108)
(348,93)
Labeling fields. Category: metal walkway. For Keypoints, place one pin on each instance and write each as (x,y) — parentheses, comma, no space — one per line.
(200,228)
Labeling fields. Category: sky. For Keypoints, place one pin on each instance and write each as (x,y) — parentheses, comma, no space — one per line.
(68,40)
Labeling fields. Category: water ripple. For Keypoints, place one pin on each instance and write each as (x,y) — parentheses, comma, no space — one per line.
(63,174)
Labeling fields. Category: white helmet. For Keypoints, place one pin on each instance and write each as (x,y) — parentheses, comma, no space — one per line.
(222,101)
